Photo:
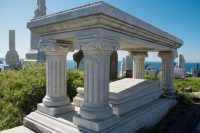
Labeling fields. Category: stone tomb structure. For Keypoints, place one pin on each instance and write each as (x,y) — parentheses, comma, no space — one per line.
(98,29)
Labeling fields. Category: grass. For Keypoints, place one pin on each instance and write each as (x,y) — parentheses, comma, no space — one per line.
(182,117)
(187,97)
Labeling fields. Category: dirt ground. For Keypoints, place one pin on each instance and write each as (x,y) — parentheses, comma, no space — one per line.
(182,118)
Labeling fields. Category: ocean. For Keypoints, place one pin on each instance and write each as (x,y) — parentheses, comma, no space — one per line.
(155,65)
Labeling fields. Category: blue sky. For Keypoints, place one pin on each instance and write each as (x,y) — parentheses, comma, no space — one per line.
(178,17)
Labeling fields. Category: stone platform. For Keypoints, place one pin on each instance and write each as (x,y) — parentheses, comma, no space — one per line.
(135,102)
(20,129)
(143,117)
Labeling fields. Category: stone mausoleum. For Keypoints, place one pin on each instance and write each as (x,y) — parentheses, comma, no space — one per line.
(122,106)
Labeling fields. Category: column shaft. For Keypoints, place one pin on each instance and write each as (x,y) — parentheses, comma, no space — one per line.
(167,72)
(96,84)
(56,93)
(56,100)
(138,64)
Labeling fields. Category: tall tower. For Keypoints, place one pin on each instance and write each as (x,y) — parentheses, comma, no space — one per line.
(34,54)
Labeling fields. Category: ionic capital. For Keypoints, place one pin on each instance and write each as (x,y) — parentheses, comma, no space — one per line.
(168,54)
(97,43)
(53,46)
(138,54)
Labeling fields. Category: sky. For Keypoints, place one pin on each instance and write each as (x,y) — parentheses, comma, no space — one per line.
(180,18)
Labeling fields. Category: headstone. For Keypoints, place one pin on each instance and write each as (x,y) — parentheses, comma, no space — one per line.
(12,57)
(79,59)
(179,73)
(123,68)
(36,54)
(181,61)
(129,66)
(113,66)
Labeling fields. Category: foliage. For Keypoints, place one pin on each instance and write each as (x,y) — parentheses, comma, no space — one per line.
(186,97)
(75,79)
(21,90)
(151,77)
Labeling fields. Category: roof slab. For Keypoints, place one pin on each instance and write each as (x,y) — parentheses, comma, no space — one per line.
(102,19)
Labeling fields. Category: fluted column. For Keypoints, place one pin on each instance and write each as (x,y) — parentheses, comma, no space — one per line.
(56,100)
(168,58)
(138,64)
(97,51)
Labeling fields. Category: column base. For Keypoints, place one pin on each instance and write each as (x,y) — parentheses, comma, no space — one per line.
(53,111)
(95,125)
(170,94)
(96,113)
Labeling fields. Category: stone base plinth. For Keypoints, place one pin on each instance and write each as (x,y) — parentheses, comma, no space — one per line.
(95,125)
(142,118)
(53,111)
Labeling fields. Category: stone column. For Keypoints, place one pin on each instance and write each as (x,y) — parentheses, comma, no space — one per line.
(56,100)
(96,113)
(167,72)
(138,64)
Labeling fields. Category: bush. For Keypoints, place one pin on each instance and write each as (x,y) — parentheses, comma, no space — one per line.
(151,77)
(75,79)
(21,90)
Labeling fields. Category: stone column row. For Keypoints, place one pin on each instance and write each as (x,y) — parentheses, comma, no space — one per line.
(167,57)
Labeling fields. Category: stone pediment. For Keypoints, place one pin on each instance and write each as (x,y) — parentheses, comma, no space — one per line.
(106,19)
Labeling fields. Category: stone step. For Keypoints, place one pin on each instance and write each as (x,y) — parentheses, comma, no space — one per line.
(20,129)
(143,117)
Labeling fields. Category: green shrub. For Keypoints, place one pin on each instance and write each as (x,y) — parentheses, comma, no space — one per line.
(21,90)
(151,77)
(75,79)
